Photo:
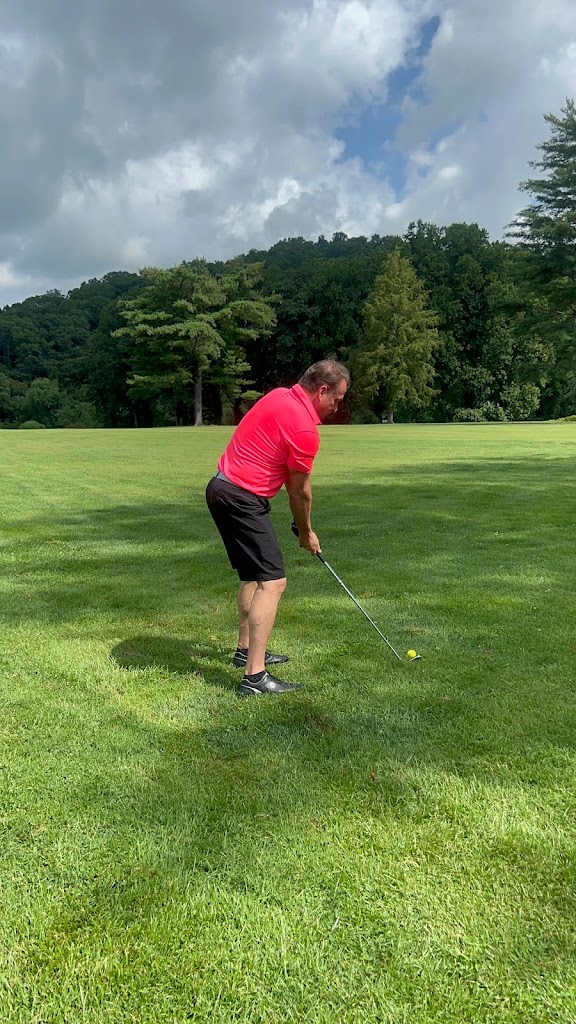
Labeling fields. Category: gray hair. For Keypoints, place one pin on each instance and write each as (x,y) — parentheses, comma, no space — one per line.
(327,373)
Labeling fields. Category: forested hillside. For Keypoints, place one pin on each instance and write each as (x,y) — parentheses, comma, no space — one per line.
(439,324)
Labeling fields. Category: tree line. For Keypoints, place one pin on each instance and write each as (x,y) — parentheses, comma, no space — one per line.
(440,324)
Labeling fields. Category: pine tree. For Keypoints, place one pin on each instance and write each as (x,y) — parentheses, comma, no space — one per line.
(188,327)
(393,364)
(546,230)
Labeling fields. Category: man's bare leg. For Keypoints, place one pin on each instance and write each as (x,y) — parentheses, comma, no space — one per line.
(244,602)
(261,618)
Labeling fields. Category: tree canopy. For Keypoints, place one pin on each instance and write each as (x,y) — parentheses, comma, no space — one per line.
(439,324)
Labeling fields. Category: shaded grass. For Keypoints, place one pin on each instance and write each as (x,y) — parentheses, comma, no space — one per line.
(395,843)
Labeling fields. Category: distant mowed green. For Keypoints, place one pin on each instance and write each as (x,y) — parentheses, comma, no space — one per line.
(395,843)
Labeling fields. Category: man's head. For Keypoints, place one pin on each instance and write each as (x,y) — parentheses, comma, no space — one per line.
(326,383)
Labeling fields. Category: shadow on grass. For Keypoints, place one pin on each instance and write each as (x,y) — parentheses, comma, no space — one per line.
(472,533)
(222,807)
(218,799)
(135,558)
(211,662)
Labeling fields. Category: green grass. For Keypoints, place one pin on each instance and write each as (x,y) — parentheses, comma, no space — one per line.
(395,843)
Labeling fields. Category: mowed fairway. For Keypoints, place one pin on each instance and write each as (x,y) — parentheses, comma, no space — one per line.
(394,844)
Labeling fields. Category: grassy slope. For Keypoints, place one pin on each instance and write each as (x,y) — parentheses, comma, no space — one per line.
(393,844)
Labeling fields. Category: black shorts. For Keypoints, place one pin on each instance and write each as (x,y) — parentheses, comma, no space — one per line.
(243,520)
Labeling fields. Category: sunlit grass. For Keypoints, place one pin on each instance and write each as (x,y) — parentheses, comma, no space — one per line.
(395,843)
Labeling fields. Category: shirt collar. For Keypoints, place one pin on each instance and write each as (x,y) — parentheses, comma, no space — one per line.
(303,396)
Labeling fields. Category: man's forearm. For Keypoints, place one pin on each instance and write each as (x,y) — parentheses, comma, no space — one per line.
(301,505)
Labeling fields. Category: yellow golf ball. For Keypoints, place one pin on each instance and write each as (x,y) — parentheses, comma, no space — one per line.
(411,654)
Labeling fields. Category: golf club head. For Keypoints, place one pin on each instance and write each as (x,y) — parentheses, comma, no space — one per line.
(417,658)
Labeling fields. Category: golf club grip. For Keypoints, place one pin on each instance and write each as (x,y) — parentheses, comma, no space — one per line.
(296,533)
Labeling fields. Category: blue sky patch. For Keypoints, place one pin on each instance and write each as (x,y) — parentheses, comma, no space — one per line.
(371,134)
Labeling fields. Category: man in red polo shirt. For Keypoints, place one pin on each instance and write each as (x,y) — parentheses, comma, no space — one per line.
(273,446)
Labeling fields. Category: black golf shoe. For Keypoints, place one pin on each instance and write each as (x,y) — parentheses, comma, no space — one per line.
(267,684)
(240,659)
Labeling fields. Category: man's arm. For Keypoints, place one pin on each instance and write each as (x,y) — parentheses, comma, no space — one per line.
(300,497)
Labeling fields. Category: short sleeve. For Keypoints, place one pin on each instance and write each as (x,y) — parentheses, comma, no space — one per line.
(302,449)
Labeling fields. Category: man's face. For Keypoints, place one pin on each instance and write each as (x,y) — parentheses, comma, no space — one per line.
(328,400)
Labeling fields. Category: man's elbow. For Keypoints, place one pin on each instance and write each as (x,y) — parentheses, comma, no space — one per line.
(298,489)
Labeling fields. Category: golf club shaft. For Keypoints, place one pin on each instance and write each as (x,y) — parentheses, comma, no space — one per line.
(358,605)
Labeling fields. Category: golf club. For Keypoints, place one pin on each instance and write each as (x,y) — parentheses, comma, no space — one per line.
(357,603)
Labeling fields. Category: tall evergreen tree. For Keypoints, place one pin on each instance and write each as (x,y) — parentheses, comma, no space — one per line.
(188,327)
(545,232)
(393,365)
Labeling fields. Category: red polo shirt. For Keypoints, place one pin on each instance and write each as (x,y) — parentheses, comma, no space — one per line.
(279,433)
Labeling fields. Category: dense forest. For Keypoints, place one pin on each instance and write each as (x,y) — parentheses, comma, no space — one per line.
(440,324)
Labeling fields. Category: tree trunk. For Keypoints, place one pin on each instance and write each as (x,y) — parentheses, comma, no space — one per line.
(198,400)
(390,416)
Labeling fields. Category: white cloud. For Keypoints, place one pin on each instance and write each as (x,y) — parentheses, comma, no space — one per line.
(136,252)
(492,73)
(8,278)
(450,173)
(346,46)
(209,129)
(561,68)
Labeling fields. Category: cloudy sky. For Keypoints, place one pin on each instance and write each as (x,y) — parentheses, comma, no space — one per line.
(139,132)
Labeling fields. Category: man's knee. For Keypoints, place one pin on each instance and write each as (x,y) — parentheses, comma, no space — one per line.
(276,587)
